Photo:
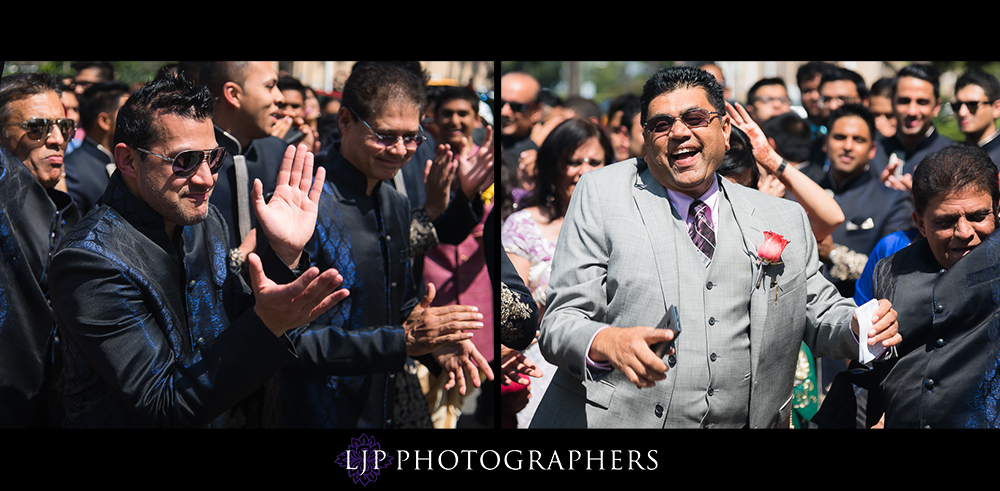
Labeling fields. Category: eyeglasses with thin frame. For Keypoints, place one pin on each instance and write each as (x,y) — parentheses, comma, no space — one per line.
(766,99)
(386,141)
(695,118)
(843,100)
(972,105)
(39,129)
(187,162)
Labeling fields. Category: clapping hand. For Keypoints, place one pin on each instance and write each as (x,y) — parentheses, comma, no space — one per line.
(289,218)
(475,169)
(439,173)
(456,359)
(429,328)
(284,307)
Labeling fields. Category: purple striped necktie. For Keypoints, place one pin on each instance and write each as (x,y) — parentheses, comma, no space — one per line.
(700,230)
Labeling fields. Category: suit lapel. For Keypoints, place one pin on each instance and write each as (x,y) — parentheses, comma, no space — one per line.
(654,208)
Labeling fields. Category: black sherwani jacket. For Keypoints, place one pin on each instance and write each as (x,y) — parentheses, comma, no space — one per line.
(32,221)
(946,374)
(161,332)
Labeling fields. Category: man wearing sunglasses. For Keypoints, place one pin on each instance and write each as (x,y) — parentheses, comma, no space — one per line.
(158,330)
(976,108)
(519,111)
(647,234)
(363,230)
(33,218)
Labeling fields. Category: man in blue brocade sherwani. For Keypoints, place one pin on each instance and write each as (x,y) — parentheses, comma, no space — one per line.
(363,231)
(161,332)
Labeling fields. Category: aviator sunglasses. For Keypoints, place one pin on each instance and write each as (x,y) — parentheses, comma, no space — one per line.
(695,118)
(39,129)
(186,163)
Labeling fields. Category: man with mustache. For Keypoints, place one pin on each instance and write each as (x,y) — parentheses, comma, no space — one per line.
(33,218)
(639,237)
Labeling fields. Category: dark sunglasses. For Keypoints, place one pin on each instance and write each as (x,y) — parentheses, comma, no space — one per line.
(186,163)
(972,105)
(39,129)
(695,118)
(516,106)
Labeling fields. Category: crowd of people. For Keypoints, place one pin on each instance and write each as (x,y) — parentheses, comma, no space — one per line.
(221,246)
(673,198)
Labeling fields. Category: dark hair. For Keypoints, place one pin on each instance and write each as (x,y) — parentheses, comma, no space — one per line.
(290,83)
(809,71)
(764,82)
(792,136)
(628,104)
(954,168)
(138,119)
(374,85)
(548,97)
(856,110)
(583,107)
(555,152)
(837,74)
(451,93)
(102,97)
(105,69)
(215,74)
(21,86)
(984,80)
(924,72)
(739,158)
(680,77)
(883,87)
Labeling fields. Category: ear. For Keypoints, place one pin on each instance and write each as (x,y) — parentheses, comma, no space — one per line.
(104,121)
(726,128)
(873,151)
(344,119)
(232,93)
(996,109)
(125,160)
(919,220)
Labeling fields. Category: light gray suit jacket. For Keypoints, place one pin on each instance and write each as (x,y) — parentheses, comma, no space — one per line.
(616,264)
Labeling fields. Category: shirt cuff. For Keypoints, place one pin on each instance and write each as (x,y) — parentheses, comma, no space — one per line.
(594,365)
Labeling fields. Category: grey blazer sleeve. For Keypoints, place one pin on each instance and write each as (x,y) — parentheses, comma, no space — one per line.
(577,298)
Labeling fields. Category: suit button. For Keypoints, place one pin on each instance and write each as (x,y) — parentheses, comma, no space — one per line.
(658,411)
(938,308)
(929,384)
(671,360)
(711,391)
(713,356)
(711,321)
(939,343)
(709,285)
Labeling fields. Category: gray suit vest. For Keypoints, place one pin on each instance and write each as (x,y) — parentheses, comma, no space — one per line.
(712,362)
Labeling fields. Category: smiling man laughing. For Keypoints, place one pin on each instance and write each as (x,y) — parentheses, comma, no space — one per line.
(643,235)
(944,287)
